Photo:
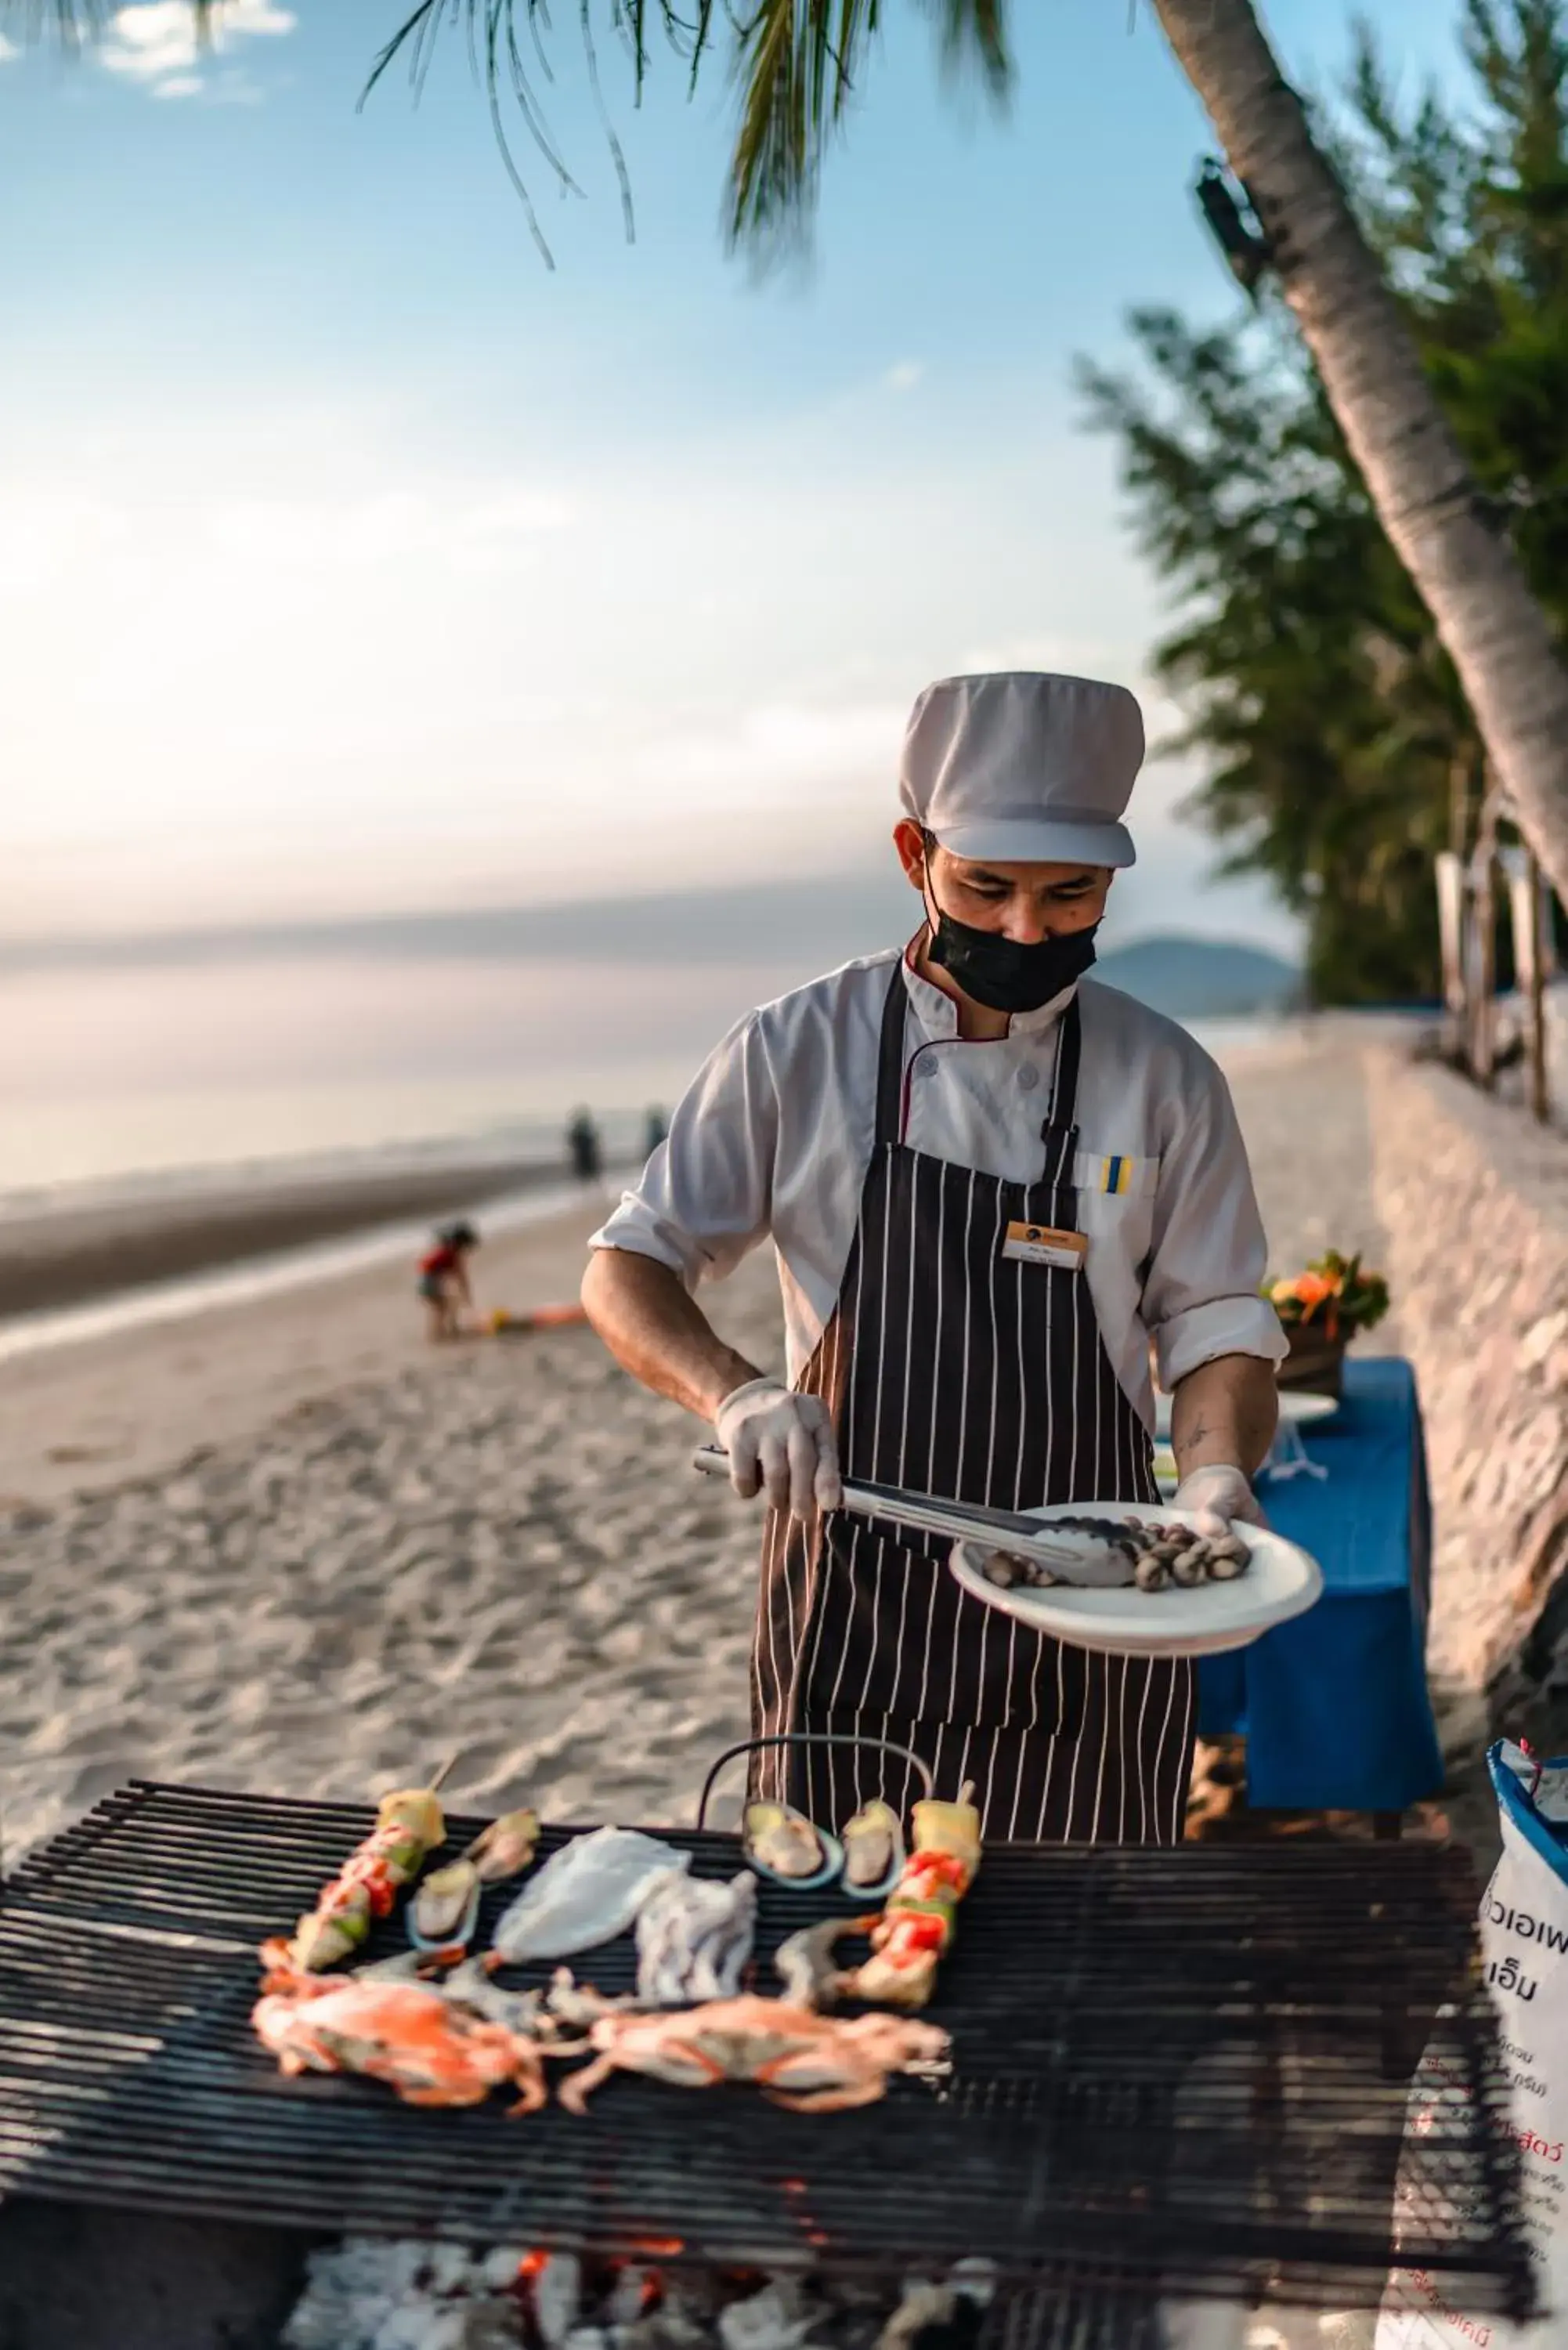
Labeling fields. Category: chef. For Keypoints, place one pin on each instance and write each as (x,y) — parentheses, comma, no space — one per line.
(991,1181)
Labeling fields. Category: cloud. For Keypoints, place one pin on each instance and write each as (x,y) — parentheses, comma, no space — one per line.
(154,43)
(395,523)
(905,376)
(8,50)
(797,754)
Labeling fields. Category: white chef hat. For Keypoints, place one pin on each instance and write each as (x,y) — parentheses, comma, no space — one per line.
(1020,766)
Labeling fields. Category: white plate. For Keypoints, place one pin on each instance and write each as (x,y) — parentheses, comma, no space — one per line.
(1297,1410)
(1280,1581)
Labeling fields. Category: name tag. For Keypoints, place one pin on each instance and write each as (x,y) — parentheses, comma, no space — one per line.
(1043,1244)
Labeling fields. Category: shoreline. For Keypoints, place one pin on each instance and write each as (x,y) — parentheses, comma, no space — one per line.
(95,1257)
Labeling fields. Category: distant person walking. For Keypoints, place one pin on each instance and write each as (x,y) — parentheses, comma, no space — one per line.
(657,1131)
(583,1144)
(443,1281)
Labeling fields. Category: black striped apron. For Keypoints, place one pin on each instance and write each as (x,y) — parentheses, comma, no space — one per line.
(957,1370)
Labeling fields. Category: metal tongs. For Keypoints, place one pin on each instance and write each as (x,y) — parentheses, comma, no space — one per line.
(1008,1530)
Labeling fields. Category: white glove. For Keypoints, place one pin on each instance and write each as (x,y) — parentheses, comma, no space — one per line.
(1218,1495)
(783,1441)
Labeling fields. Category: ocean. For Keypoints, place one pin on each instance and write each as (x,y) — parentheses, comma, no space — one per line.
(116,1081)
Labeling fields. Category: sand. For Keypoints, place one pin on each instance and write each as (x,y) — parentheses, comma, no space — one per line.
(292,1546)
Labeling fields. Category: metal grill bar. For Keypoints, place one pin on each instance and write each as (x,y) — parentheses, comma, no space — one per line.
(1182,2071)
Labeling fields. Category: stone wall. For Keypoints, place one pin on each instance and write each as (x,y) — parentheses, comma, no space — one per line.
(1474,1199)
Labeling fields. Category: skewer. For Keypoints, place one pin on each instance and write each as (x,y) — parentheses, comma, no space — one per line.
(433,1785)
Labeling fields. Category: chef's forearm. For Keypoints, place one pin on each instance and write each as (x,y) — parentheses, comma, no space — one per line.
(646,1317)
(1225,1411)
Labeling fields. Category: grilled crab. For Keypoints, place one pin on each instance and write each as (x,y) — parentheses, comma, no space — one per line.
(424,2043)
(813,2064)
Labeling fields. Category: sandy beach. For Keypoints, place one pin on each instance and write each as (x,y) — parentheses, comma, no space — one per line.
(291,1546)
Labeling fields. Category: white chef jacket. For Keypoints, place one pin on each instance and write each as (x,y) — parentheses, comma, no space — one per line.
(773,1139)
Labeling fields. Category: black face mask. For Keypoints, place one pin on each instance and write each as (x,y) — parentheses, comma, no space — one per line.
(1004,974)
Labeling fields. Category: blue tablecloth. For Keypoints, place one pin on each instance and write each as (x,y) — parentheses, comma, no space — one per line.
(1334,1705)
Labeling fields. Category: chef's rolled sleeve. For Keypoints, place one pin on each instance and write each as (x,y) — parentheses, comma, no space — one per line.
(704,1200)
(1209,1256)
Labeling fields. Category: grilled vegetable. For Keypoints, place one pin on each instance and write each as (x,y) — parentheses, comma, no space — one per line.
(409,1826)
(909,1938)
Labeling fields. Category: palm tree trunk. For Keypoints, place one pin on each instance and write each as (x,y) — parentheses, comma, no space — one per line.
(1496,633)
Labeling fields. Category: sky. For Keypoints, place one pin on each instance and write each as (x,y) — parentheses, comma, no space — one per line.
(351,560)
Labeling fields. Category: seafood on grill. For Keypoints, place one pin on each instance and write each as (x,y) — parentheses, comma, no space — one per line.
(805,1965)
(812,2064)
(782,1842)
(908,1939)
(427,2046)
(444,1911)
(873,1850)
(586,1894)
(505,1847)
(409,1826)
(693,1939)
(1116,1551)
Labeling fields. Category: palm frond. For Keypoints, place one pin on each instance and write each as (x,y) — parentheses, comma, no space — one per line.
(799,64)
(496,59)
(795,66)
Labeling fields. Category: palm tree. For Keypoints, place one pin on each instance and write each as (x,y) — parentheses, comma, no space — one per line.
(796,63)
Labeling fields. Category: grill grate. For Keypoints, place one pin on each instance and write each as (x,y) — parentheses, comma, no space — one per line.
(1178,2071)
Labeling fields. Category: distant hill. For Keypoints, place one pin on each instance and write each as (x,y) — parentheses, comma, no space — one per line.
(1201,979)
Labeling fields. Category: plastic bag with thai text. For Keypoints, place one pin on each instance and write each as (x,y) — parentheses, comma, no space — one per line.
(1524,1954)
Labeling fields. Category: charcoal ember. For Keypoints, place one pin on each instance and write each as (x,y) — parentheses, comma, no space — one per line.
(498,2268)
(628,2295)
(777,2318)
(451,2269)
(555,2298)
(695,2296)
(666,2329)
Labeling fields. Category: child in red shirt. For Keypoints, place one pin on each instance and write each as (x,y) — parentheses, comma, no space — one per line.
(443,1280)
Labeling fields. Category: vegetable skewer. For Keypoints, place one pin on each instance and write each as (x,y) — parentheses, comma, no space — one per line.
(410,1823)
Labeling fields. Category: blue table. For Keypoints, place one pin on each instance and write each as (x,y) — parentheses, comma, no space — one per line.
(1334,1705)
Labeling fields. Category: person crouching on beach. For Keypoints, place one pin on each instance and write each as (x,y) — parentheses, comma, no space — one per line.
(443,1281)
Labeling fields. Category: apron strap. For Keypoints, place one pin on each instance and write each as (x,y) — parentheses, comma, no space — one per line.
(1060,1131)
(890,1061)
